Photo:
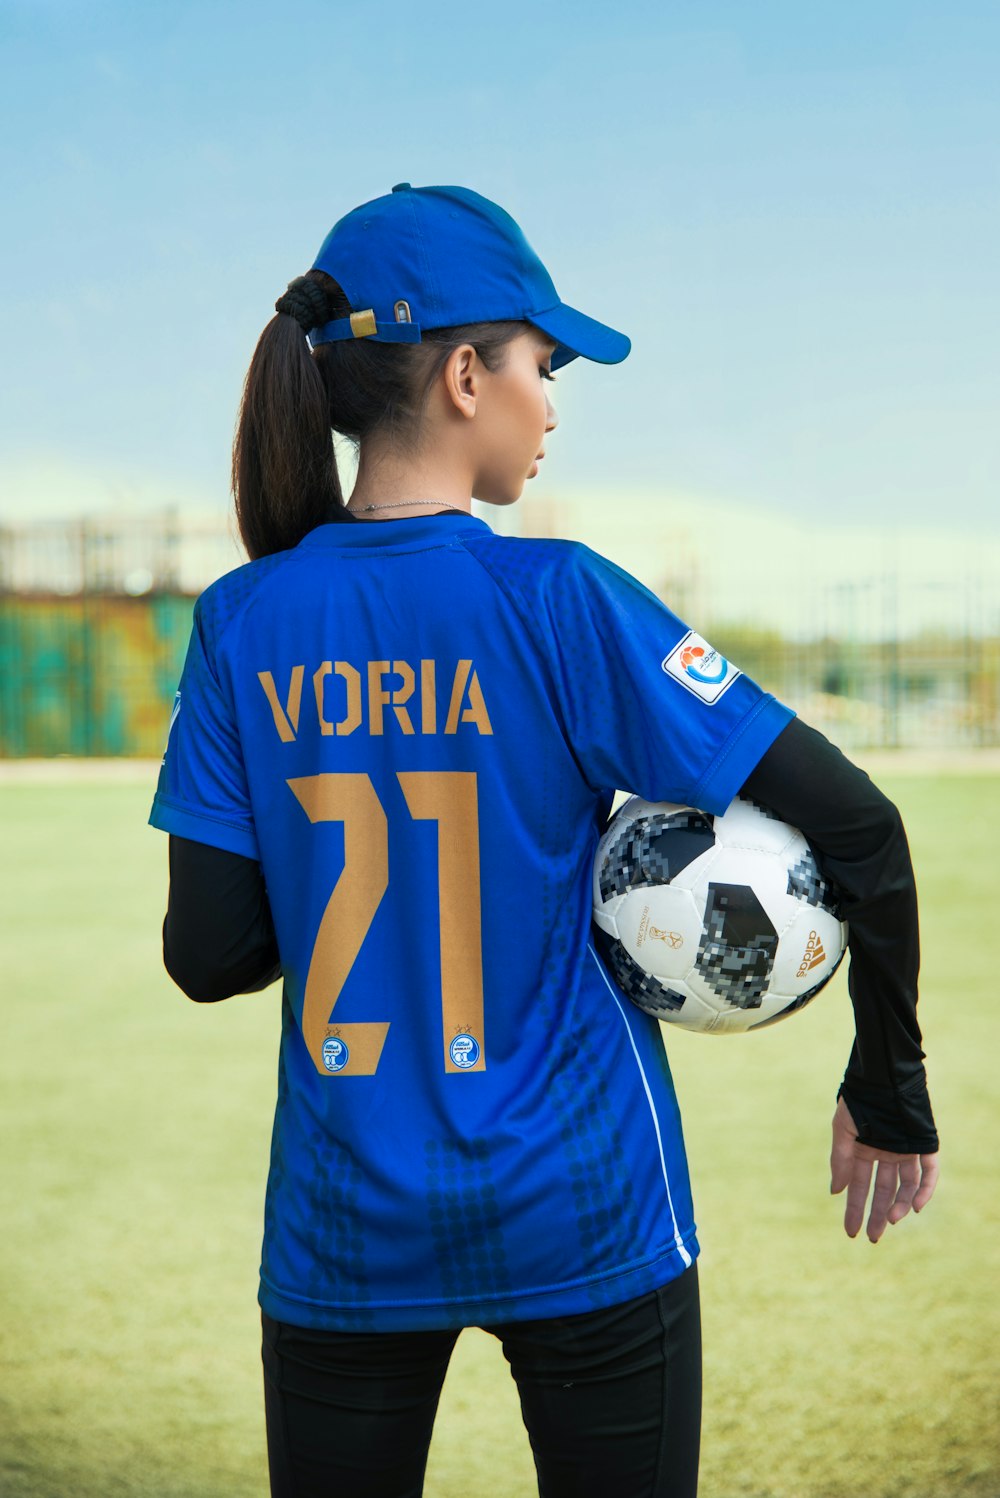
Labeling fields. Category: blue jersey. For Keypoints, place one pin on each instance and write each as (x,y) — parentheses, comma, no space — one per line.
(417,727)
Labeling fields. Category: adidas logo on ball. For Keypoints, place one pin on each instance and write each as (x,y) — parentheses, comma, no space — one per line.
(812,956)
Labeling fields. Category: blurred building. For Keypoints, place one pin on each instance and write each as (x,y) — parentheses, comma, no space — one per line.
(94,620)
(878,641)
(116,553)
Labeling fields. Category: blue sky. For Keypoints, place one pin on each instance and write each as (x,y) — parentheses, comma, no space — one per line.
(791,208)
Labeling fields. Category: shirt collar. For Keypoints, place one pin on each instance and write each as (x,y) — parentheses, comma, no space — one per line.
(389,535)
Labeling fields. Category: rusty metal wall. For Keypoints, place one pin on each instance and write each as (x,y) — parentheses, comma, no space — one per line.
(95,674)
(91,674)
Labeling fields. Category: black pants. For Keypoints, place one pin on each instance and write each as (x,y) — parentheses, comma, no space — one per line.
(611,1400)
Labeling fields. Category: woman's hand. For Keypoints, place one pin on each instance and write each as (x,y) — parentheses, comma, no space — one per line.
(901,1181)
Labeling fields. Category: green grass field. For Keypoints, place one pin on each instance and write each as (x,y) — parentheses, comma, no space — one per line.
(135,1140)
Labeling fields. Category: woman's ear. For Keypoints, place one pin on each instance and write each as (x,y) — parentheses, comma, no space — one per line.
(462,377)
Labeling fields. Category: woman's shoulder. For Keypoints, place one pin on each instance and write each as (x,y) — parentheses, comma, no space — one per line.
(538,555)
(544,563)
(232,593)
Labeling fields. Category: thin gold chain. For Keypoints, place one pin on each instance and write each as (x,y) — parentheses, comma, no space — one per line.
(409,504)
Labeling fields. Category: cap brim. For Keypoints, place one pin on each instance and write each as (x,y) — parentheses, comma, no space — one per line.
(580,336)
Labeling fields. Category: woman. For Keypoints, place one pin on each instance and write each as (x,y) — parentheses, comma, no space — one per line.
(395,744)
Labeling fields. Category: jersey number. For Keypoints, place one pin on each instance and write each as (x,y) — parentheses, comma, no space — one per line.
(449,798)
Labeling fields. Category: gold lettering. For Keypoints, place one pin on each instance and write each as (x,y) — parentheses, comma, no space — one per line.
(476,710)
(352,680)
(450,798)
(319,676)
(377,697)
(428,698)
(286,719)
(403,694)
(466,703)
(457,693)
(349,912)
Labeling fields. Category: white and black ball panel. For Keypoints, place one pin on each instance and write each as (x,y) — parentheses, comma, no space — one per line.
(661,927)
(811,947)
(807,883)
(651,847)
(760,871)
(738,945)
(652,996)
(728,917)
(746,824)
(803,999)
(604,920)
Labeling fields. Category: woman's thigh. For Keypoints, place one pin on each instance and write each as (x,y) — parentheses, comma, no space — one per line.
(349,1415)
(612,1399)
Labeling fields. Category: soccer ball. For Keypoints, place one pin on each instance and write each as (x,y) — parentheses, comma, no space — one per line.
(718,924)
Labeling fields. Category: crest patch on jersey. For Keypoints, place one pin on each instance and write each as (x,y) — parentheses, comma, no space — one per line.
(695,664)
(335,1054)
(464,1051)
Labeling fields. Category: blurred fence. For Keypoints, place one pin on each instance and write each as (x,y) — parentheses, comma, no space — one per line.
(95,617)
(932,690)
(167,551)
(94,621)
(90,675)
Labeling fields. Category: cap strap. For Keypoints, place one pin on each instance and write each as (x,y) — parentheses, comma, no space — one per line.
(364,325)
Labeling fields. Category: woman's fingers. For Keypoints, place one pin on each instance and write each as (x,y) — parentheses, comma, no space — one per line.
(902,1182)
(909,1180)
(929,1168)
(857,1194)
(887,1182)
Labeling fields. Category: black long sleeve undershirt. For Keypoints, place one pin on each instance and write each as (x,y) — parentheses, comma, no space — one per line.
(860,844)
(218,936)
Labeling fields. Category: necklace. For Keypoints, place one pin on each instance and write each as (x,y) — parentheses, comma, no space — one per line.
(408,504)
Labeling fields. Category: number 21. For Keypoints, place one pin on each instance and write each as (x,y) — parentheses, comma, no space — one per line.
(449,798)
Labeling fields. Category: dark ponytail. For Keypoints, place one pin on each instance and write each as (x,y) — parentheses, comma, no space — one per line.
(285,479)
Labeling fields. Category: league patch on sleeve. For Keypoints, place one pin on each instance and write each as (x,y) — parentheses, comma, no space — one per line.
(701,669)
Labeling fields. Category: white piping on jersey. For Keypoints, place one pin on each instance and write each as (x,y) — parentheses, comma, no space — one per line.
(652,1108)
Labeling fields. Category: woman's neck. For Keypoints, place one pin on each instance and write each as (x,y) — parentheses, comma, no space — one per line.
(420,483)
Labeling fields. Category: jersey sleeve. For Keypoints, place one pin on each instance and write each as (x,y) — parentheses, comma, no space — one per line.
(202,792)
(649,706)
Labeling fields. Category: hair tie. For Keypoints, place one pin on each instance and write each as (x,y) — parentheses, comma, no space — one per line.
(306,301)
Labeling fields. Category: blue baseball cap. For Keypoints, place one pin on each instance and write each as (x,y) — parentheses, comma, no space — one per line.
(439,257)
